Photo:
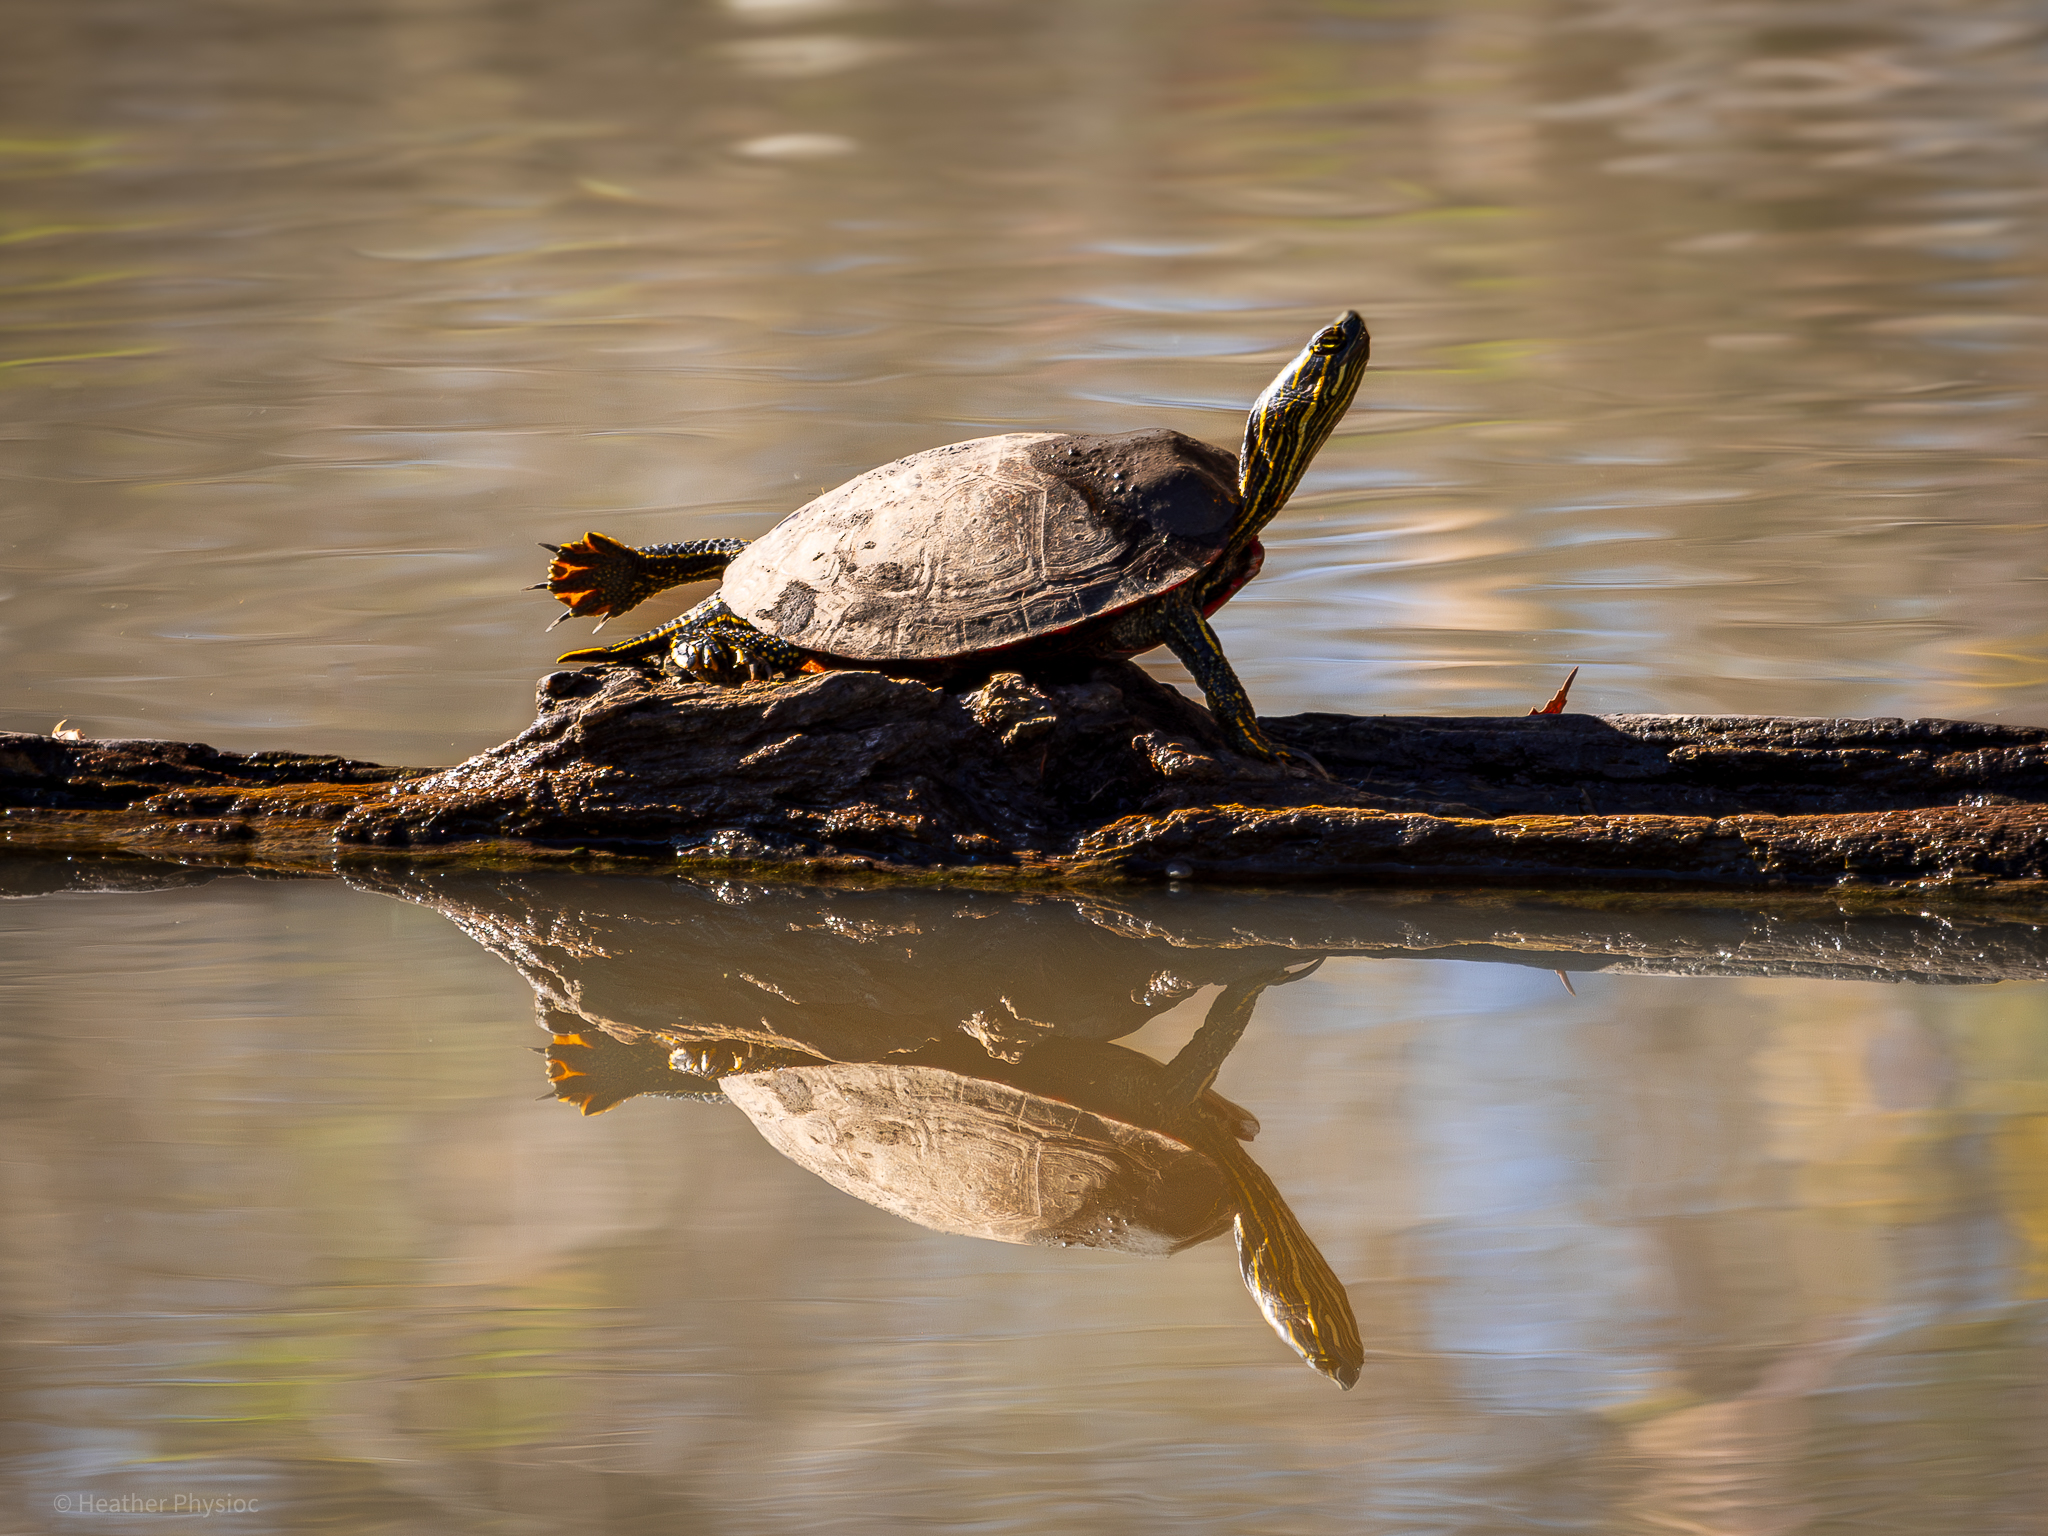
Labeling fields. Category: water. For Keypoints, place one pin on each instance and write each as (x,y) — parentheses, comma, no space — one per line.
(1720,1252)
(1707,341)
(1707,359)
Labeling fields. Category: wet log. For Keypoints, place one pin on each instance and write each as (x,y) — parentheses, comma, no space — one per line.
(1096,772)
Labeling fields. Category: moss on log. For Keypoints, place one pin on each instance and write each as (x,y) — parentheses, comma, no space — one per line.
(1097,773)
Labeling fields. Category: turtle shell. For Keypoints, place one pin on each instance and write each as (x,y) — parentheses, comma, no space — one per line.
(980,1158)
(982,545)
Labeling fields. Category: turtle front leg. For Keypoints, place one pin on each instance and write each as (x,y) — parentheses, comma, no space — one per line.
(1188,635)
(598,575)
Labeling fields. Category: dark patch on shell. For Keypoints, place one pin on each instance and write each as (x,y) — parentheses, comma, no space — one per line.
(792,608)
(1152,487)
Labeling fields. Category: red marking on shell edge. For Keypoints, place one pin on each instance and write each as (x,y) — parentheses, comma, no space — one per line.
(1255,561)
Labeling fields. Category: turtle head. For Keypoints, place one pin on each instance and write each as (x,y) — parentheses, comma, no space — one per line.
(1337,340)
(1295,415)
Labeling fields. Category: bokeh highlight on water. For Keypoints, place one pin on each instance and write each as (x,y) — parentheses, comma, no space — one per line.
(1708,339)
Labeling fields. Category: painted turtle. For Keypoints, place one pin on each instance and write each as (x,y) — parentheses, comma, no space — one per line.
(1031,542)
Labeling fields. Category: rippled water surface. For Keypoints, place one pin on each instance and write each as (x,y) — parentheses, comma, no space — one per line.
(1708,359)
(1758,1248)
(1708,334)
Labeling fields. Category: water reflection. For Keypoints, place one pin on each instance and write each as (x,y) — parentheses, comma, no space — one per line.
(948,1057)
(1762,1239)
(947,1060)
(1062,1143)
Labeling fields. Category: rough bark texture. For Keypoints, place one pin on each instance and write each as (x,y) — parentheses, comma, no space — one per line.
(1097,772)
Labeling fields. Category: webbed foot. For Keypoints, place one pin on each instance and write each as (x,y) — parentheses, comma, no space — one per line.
(595,1071)
(598,575)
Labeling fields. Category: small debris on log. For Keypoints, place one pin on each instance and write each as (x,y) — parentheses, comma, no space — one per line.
(1556,704)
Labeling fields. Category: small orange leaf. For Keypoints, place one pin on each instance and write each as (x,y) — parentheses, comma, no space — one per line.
(1556,704)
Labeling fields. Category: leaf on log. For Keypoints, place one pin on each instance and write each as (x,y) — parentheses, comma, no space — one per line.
(1556,704)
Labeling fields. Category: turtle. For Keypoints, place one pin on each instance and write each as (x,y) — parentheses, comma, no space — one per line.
(992,551)
(1078,1143)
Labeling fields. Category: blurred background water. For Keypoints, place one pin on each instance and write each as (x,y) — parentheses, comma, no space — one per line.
(1709,335)
(1708,358)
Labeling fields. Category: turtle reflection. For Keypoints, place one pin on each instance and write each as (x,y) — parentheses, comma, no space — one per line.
(1059,1141)
(946,1055)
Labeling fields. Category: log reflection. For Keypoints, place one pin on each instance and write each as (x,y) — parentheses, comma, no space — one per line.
(951,1056)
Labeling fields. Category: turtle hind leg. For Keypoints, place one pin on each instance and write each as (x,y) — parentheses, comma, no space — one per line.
(710,643)
(713,644)
(1188,635)
(717,1059)
(595,1071)
(597,575)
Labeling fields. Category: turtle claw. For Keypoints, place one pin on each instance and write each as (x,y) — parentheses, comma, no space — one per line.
(1253,742)
(1294,757)
(714,664)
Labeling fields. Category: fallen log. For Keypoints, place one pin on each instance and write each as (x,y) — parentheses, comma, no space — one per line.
(1094,773)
